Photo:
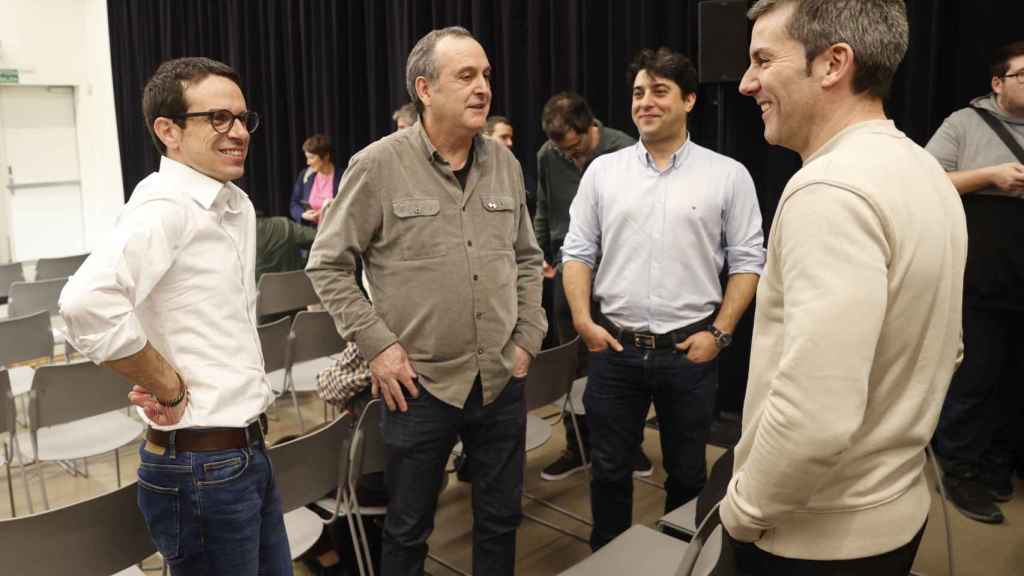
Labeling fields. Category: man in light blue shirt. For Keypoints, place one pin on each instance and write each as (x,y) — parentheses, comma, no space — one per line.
(663,217)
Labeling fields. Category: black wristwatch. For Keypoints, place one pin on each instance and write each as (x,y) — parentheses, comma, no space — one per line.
(722,339)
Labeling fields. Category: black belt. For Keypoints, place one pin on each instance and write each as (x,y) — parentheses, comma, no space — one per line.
(648,341)
(208,440)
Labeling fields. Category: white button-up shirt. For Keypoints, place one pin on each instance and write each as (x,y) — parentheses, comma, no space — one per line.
(178,272)
(663,235)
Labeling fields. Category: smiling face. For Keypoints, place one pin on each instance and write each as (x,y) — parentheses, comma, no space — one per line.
(198,145)
(778,80)
(659,107)
(460,98)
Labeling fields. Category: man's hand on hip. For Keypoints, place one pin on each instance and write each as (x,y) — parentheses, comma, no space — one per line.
(522,363)
(391,371)
(597,338)
(157,413)
(699,347)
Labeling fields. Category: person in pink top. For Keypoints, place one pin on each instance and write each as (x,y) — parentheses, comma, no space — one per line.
(315,186)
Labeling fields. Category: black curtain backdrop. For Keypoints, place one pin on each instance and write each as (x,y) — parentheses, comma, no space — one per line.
(338,67)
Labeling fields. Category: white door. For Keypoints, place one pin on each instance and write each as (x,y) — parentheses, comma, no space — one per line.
(39,158)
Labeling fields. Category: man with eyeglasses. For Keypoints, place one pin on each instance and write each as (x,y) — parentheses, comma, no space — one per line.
(169,302)
(575,139)
(978,439)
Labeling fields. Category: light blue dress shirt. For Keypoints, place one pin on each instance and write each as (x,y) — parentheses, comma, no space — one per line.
(662,236)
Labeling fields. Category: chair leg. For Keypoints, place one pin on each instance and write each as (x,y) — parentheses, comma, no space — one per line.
(24,472)
(117,465)
(295,402)
(356,545)
(10,485)
(362,531)
(42,485)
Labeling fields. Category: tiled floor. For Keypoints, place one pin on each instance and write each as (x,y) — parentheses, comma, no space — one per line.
(980,549)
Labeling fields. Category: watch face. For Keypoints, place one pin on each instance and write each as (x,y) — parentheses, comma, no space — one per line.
(724,340)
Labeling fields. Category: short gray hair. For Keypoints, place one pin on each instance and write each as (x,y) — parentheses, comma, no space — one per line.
(877,31)
(421,60)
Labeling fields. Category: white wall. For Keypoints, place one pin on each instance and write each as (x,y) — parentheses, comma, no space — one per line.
(67,43)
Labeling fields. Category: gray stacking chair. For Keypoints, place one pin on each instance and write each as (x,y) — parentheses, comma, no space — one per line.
(305,469)
(11,450)
(64,267)
(76,411)
(682,522)
(22,339)
(274,343)
(313,340)
(642,550)
(29,297)
(280,292)
(551,375)
(9,274)
(100,536)
(368,455)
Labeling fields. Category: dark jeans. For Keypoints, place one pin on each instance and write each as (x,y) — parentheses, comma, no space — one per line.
(752,561)
(980,425)
(419,442)
(619,392)
(213,513)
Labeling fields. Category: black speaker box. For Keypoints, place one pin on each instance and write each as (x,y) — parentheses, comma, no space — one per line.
(722,34)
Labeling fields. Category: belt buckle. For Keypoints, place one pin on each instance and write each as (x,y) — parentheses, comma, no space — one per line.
(644,341)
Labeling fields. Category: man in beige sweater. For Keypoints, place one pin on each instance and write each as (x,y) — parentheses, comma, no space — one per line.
(858,322)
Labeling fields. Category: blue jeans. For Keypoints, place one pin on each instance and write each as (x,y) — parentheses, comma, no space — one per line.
(620,388)
(419,442)
(214,513)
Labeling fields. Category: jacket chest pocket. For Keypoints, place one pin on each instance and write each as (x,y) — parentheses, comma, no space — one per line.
(419,230)
(498,229)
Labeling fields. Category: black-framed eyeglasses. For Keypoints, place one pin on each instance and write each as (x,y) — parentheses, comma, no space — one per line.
(1019,76)
(223,120)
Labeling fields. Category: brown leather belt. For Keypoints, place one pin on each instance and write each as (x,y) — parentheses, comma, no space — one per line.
(208,440)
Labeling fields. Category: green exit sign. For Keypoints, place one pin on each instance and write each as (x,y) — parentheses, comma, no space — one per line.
(8,76)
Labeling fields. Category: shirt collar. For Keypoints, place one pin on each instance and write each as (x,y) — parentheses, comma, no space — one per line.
(432,155)
(211,194)
(678,157)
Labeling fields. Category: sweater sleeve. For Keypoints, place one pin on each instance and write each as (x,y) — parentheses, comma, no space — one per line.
(831,247)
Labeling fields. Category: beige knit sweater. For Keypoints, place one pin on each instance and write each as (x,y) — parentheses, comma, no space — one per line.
(856,336)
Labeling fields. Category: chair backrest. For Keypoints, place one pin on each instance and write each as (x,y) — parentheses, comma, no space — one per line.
(368,453)
(551,374)
(704,554)
(310,466)
(50,268)
(96,537)
(284,292)
(9,274)
(26,338)
(314,336)
(717,485)
(274,343)
(63,393)
(28,297)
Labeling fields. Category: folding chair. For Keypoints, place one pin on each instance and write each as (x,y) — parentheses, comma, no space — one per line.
(313,340)
(9,274)
(280,292)
(305,469)
(641,550)
(551,376)
(11,450)
(24,339)
(76,411)
(64,267)
(30,297)
(682,522)
(100,536)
